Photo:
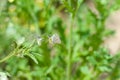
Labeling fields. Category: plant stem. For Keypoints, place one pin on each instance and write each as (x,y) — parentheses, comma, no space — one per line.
(70,50)
(10,55)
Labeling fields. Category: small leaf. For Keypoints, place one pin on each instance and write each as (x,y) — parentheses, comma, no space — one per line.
(104,68)
(85,70)
(37,54)
(32,57)
(92,60)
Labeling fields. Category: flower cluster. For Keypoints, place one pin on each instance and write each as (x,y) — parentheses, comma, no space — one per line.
(54,39)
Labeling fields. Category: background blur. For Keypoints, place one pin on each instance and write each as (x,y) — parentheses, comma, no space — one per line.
(89,31)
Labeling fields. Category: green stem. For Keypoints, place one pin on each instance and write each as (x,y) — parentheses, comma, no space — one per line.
(10,55)
(70,50)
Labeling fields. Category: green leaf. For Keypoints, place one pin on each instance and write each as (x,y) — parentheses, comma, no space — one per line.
(92,60)
(79,3)
(37,54)
(32,57)
(104,68)
(85,70)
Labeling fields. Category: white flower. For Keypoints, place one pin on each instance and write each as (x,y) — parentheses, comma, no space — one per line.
(3,76)
(20,40)
(39,40)
(55,39)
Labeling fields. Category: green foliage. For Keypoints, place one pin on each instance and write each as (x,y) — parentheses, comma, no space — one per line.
(27,49)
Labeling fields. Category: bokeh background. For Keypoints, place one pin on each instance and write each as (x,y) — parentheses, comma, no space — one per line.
(89,32)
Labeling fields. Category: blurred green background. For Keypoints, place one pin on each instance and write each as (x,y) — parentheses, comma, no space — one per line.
(80,25)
